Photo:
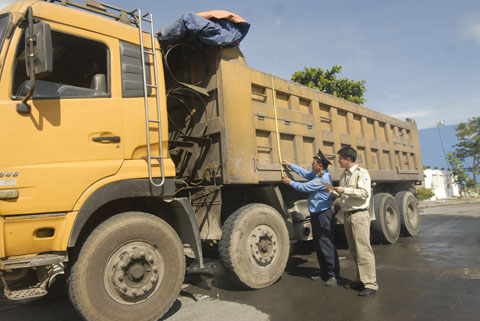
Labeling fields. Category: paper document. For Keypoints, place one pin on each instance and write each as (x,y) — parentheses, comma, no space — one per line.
(327,186)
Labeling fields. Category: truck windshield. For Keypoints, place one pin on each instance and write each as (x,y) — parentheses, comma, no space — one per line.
(4,23)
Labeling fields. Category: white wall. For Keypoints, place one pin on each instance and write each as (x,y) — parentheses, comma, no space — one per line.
(441,183)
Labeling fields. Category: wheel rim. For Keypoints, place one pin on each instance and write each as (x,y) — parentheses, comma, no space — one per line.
(133,272)
(412,215)
(263,245)
(391,219)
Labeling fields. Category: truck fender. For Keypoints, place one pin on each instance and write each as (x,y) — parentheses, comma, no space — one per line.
(184,220)
(129,188)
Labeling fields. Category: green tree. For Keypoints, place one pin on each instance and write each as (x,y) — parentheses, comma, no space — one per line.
(328,82)
(468,146)
(459,173)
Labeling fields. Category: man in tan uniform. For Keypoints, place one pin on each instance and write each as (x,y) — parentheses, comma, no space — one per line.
(354,195)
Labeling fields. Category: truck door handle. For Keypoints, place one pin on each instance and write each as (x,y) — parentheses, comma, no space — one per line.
(113,139)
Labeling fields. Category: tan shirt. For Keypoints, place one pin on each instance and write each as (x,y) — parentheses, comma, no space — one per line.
(358,189)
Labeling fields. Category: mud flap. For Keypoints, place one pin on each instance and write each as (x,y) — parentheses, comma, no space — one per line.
(188,230)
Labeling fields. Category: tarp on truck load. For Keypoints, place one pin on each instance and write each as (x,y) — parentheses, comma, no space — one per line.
(216,27)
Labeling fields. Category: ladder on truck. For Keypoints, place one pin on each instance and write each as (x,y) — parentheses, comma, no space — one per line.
(148,18)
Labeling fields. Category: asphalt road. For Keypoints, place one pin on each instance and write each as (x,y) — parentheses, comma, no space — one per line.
(432,276)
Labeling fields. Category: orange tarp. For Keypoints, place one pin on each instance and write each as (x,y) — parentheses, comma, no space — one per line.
(222,14)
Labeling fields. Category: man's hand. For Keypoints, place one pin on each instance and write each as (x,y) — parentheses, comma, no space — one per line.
(286,180)
(339,189)
(286,163)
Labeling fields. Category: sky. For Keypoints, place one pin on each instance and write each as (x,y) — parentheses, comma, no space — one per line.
(419,58)
(436,143)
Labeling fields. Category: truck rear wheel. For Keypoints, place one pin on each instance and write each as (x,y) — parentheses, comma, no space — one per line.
(386,227)
(255,245)
(409,217)
(131,267)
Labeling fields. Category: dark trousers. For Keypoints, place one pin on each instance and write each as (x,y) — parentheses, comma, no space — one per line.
(322,226)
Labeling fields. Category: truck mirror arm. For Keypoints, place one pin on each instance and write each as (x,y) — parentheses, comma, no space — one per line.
(24,108)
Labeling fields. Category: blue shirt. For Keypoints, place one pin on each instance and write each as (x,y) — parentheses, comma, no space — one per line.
(318,198)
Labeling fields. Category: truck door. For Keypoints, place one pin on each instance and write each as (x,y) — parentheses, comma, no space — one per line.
(73,135)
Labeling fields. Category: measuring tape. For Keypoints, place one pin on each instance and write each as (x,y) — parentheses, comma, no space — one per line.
(276,128)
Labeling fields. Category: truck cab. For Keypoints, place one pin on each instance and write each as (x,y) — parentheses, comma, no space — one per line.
(85,153)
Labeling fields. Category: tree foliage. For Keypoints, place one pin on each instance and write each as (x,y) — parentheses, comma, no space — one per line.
(468,146)
(459,173)
(328,82)
(425,193)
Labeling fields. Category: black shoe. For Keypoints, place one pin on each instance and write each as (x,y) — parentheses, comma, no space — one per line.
(357,285)
(367,292)
(340,281)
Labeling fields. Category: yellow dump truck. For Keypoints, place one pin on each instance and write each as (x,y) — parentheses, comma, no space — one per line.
(120,157)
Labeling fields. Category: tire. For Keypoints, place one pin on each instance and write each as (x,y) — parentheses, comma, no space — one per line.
(409,214)
(131,267)
(255,246)
(386,228)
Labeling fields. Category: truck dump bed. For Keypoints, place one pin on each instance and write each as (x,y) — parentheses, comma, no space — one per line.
(230,137)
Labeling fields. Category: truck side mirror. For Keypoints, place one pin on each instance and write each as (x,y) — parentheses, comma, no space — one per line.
(39,44)
(38,55)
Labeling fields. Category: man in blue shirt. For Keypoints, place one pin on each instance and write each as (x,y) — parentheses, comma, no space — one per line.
(322,217)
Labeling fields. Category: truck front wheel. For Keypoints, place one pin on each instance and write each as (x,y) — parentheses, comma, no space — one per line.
(131,267)
(255,245)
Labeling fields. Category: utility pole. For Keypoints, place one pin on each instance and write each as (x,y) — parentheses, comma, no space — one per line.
(442,124)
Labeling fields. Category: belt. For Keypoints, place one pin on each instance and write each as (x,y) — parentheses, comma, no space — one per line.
(321,211)
(355,211)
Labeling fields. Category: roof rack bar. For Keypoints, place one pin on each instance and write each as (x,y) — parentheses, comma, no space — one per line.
(101,8)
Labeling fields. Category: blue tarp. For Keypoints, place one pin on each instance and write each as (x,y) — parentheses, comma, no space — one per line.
(191,28)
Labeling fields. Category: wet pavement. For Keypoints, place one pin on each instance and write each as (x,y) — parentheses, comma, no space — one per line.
(432,276)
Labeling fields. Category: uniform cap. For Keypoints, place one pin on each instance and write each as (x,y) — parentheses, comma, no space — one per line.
(323,159)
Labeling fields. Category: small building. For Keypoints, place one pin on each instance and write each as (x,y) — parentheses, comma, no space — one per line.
(441,182)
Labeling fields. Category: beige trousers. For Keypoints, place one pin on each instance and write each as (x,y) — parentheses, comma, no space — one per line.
(357,230)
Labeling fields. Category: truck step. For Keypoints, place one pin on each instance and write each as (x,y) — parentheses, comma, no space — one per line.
(31,261)
(25,294)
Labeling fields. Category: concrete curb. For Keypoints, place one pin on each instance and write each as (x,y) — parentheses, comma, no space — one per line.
(446,202)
